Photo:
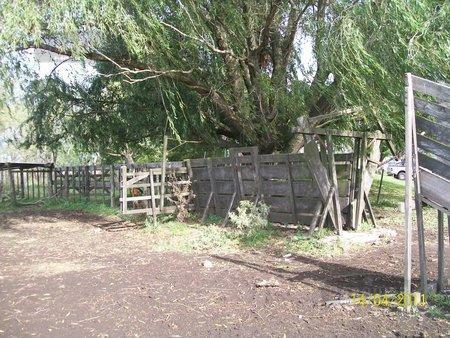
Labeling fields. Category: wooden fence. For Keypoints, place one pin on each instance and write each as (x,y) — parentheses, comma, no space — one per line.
(96,183)
(427,126)
(25,184)
(283,181)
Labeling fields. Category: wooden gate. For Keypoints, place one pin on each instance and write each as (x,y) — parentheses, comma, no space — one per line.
(146,191)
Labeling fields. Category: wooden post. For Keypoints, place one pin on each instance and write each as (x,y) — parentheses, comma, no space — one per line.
(22,185)
(103,185)
(66,182)
(87,188)
(50,180)
(441,258)
(334,182)
(379,187)
(124,189)
(291,189)
(163,174)
(418,204)
(152,193)
(112,186)
(212,183)
(11,183)
(361,170)
(409,112)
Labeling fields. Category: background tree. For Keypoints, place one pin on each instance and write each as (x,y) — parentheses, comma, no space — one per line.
(240,60)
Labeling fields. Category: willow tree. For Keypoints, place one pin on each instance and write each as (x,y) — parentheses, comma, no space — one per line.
(241,58)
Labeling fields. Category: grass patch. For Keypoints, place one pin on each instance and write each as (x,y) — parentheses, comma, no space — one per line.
(172,235)
(257,238)
(86,206)
(314,245)
(439,305)
(393,193)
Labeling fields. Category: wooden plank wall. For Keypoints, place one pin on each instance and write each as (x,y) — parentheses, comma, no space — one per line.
(285,181)
(432,122)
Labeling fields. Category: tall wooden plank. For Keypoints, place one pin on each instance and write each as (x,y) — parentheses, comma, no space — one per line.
(103,184)
(124,190)
(22,184)
(112,186)
(418,203)
(12,184)
(360,184)
(291,188)
(319,174)
(334,182)
(212,183)
(66,182)
(409,112)
(163,174)
(152,193)
(441,254)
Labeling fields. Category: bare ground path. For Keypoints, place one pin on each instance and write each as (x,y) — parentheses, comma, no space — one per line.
(61,275)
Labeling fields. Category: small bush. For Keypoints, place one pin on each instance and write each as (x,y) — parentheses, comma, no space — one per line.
(250,216)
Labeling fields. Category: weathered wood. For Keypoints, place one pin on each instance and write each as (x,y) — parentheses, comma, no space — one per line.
(152,194)
(419,211)
(212,182)
(439,90)
(437,111)
(66,182)
(163,172)
(230,206)
(441,253)
(327,208)
(342,133)
(316,216)
(12,184)
(206,209)
(112,186)
(320,175)
(22,184)
(409,117)
(124,190)
(360,183)
(436,131)
(435,188)
(334,182)
(438,149)
(380,185)
(438,167)
(291,188)
(370,210)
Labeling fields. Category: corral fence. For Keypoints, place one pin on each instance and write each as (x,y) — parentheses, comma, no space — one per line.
(99,183)
(25,181)
(311,188)
(285,182)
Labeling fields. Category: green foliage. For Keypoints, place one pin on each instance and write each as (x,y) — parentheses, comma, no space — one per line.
(250,216)
(439,305)
(224,68)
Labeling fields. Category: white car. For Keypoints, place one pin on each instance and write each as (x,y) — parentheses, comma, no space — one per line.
(396,168)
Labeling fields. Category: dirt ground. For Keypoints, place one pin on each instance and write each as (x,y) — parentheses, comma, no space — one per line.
(63,274)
